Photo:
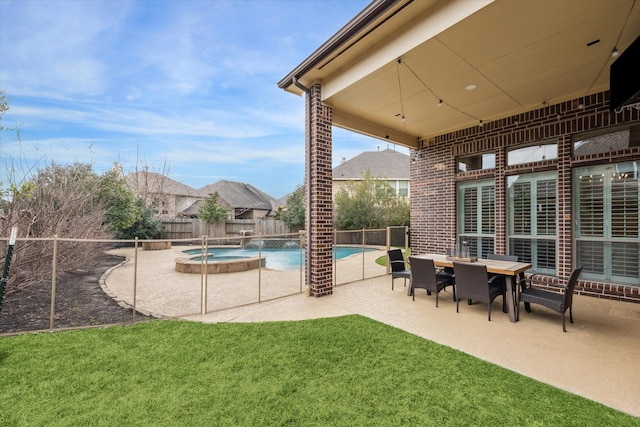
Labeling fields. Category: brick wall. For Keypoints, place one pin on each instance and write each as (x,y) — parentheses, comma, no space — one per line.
(434,177)
(321,221)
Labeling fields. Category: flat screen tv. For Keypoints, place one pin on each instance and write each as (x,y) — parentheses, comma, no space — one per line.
(624,77)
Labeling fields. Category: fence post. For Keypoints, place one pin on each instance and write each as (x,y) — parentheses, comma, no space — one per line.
(203,274)
(7,264)
(388,247)
(135,277)
(206,273)
(301,244)
(54,267)
(363,238)
(259,267)
(406,240)
(335,260)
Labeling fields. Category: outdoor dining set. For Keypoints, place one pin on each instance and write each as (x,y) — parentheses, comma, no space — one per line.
(481,280)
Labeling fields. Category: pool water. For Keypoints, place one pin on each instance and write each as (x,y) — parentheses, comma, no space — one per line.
(277,259)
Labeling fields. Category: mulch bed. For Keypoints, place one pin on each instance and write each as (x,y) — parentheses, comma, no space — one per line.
(80,301)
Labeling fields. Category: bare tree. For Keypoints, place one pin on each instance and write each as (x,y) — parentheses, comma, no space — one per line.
(67,201)
(63,201)
(150,185)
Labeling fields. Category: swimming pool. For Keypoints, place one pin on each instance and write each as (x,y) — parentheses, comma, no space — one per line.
(277,259)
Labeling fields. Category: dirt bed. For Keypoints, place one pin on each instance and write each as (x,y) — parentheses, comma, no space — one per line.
(80,301)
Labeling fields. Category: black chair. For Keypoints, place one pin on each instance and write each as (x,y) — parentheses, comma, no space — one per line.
(499,278)
(559,302)
(398,266)
(424,276)
(472,282)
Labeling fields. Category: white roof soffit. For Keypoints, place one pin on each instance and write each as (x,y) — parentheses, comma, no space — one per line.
(520,55)
(428,24)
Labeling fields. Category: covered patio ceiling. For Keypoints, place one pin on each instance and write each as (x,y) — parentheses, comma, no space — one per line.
(386,71)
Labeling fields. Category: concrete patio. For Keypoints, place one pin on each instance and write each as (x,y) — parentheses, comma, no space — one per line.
(597,358)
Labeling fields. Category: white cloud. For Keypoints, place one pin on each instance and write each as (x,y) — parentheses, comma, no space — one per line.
(55,46)
(193,83)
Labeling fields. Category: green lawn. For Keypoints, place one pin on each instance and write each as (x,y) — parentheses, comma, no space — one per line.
(383,259)
(345,371)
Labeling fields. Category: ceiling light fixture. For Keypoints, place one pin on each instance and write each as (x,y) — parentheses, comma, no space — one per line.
(470,87)
(614,52)
(480,123)
(440,103)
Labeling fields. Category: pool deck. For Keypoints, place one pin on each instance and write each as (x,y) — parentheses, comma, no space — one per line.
(597,358)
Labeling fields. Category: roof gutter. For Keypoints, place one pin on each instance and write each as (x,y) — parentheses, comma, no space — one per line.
(372,12)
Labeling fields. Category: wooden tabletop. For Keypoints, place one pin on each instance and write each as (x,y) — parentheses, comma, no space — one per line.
(508,268)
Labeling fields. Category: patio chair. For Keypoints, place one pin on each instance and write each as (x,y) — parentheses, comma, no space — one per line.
(559,302)
(424,276)
(398,266)
(499,278)
(500,257)
(472,282)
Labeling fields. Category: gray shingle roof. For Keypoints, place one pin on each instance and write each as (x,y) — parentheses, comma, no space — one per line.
(240,195)
(157,183)
(388,164)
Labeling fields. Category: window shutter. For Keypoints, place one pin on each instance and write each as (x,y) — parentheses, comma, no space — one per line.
(488,209)
(476,216)
(591,256)
(624,260)
(470,210)
(522,208)
(624,205)
(521,248)
(487,246)
(546,254)
(546,207)
(607,201)
(533,221)
(591,205)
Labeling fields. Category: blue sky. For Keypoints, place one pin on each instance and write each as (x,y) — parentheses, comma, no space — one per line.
(184,84)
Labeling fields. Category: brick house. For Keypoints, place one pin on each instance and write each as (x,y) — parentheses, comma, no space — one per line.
(388,165)
(171,199)
(505,105)
(168,197)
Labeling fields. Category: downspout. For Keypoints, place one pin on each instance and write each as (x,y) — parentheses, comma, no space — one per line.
(307,177)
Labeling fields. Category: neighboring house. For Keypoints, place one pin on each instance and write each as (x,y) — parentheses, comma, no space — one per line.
(244,201)
(523,139)
(389,165)
(172,199)
(168,197)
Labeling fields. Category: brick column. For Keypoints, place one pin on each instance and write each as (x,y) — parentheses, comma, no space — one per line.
(319,249)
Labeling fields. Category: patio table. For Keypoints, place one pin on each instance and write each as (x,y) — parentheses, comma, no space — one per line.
(509,269)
